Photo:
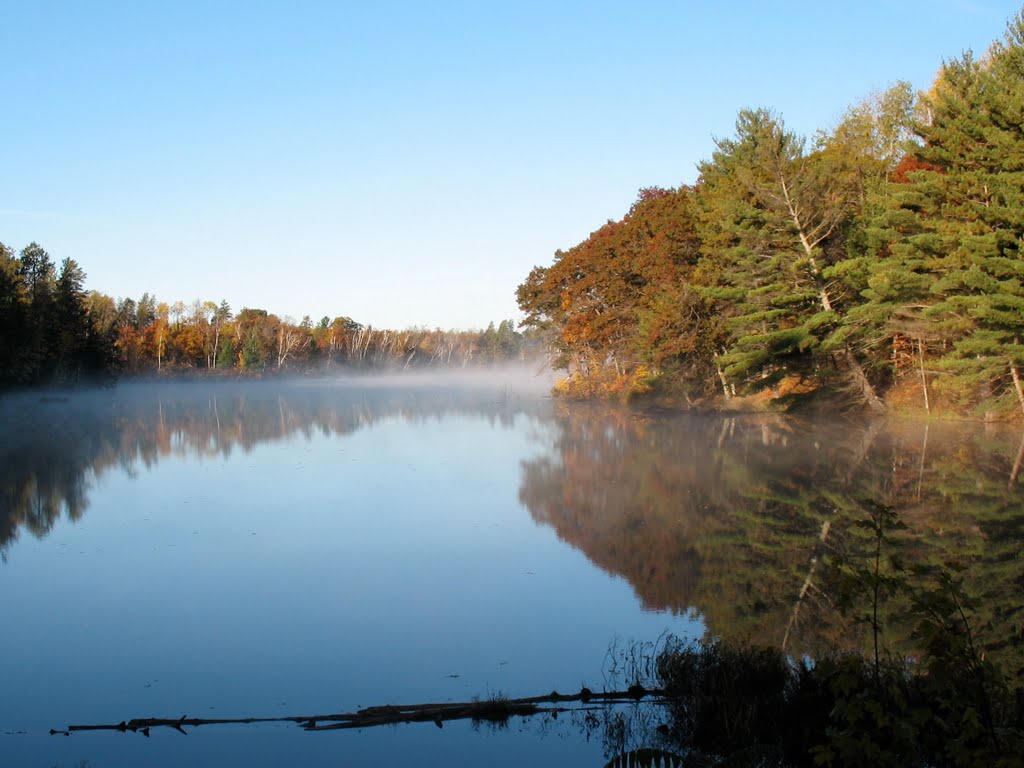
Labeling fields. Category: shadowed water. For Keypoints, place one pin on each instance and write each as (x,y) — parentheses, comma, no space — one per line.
(259,550)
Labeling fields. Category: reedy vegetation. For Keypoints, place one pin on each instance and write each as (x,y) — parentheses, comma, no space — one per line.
(881,257)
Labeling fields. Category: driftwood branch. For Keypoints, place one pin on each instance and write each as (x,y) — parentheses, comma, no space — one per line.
(496,709)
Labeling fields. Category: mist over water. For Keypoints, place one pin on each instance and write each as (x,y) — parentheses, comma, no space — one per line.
(318,545)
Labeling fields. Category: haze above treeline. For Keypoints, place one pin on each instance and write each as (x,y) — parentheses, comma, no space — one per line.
(876,264)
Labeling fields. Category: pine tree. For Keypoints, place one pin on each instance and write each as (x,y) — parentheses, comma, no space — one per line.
(948,242)
(36,271)
(981,281)
(769,208)
(13,320)
(226,353)
(71,329)
(763,299)
(252,356)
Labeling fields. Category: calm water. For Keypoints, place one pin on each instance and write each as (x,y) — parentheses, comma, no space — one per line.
(259,550)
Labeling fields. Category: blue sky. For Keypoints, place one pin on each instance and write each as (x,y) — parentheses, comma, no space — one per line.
(402,163)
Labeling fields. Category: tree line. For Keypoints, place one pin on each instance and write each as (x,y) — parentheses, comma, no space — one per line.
(52,331)
(877,262)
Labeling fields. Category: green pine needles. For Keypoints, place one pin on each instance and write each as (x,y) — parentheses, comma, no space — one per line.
(881,260)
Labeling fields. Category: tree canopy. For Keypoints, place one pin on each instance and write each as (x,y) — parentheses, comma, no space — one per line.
(54,332)
(878,259)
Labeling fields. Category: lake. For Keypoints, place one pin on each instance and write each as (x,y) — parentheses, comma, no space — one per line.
(262,549)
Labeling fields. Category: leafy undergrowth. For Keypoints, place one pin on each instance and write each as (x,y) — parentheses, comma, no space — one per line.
(730,704)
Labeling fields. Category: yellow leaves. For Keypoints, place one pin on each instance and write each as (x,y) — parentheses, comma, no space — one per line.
(607,383)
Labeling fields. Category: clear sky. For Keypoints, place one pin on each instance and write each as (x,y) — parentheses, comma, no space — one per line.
(402,163)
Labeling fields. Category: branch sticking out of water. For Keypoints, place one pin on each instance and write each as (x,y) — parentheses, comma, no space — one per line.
(497,709)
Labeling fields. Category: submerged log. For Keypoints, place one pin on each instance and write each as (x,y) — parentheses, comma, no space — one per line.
(496,709)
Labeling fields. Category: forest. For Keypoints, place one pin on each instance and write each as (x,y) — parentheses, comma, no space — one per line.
(54,332)
(874,265)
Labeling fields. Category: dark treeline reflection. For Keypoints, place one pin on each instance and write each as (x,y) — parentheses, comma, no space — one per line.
(738,519)
(51,448)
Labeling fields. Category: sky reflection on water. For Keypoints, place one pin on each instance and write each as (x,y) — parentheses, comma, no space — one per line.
(251,550)
(342,547)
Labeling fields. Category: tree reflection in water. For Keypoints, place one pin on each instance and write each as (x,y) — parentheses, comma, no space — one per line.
(736,518)
(731,518)
(52,448)
(740,520)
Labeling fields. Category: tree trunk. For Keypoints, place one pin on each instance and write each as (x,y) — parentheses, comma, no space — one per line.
(1015,375)
(808,246)
(808,582)
(809,242)
(721,378)
(1016,465)
(861,379)
(920,466)
(924,380)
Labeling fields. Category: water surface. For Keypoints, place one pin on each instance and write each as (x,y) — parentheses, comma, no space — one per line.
(259,549)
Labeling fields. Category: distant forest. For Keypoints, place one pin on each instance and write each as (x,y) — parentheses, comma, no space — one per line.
(53,332)
(879,263)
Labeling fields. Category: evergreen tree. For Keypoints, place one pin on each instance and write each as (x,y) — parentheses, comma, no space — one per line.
(768,210)
(71,327)
(37,274)
(145,311)
(226,353)
(752,281)
(949,265)
(509,340)
(252,356)
(13,319)
(981,150)
(101,361)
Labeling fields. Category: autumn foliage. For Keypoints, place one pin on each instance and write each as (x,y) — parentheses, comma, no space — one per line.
(880,256)
(53,332)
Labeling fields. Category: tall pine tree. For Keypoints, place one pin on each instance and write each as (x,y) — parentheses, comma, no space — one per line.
(949,264)
(769,209)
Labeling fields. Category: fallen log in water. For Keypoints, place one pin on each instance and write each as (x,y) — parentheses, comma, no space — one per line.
(497,709)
